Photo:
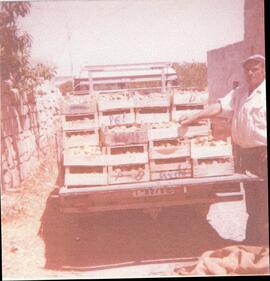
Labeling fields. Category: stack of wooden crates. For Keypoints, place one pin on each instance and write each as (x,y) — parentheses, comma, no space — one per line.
(131,137)
(124,141)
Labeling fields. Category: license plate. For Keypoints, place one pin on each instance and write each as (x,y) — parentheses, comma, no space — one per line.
(147,192)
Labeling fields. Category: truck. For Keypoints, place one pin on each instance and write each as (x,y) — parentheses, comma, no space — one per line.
(124,148)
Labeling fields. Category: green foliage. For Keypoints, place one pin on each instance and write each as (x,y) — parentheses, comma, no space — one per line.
(43,71)
(192,75)
(66,87)
(10,11)
(15,45)
(15,49)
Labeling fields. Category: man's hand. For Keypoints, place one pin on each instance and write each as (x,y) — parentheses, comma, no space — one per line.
(210,111)
(187,120)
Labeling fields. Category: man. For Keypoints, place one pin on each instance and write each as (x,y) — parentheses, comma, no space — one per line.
(247,107)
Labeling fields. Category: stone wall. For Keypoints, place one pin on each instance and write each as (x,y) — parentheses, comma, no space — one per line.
(30,128)
(224,67)
(224,64)
(254,26)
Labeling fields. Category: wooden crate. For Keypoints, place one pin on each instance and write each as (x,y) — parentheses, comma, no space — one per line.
(117,117)
(78,104)
(128,174)
(196,98)
(109,103)
(112,137)
(222,166)
(71,109)
(158,133)
(72,139)
(151,100)
(84,160)
(81,177)
(174,174)
(199,129)
(127,155)
(157,165)
(182,98)
(152,115)
(80,122)
(207,150)
(176,113)
(159,149)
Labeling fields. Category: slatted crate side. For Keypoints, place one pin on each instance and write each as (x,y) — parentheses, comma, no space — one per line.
(80,104)
(104,105)
(126,159)
(139,156)
(182,98)
(80,124)
(213,169)
(144,118)
(198,98)
(174,174)
(162,133)
(84,160)
(87,117)
(110,138)
(120,118)
(157,165)
(152,101)
(92,138)
(177,114)
(180,150)
(207,151)
(117,175)
(82,92)
(79,108)
(83,179)
(194,130)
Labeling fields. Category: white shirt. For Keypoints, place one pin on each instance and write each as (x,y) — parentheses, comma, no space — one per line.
(249,125)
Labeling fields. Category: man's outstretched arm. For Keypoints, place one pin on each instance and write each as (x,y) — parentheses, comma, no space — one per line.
(211,111)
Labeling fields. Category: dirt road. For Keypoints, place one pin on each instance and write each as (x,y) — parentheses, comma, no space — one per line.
(37,239)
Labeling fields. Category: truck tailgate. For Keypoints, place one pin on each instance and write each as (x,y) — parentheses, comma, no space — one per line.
(153,193)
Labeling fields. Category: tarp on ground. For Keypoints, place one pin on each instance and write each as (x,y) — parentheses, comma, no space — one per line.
(232,260)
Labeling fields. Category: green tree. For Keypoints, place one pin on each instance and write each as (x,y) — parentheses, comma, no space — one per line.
(15,49)
(66,87)
(15,44)
(192,75)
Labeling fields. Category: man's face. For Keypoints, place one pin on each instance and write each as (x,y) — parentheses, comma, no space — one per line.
(255,74)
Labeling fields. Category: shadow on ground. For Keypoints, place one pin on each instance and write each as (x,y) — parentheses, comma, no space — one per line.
(132,236)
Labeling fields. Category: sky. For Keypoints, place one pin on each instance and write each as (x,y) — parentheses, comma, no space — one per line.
(72,34)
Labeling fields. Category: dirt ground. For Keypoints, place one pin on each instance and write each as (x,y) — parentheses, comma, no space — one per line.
(22,247)
(38,242)
(30,240)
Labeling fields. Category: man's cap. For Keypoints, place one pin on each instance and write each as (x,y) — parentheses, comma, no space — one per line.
(254,58)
